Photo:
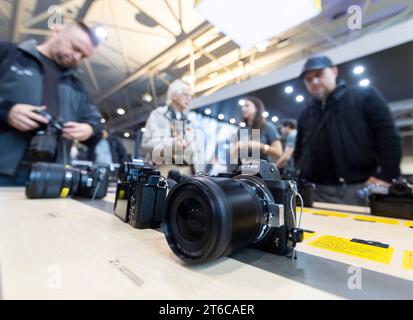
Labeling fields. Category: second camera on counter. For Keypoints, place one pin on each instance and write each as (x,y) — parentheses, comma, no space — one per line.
(140,195)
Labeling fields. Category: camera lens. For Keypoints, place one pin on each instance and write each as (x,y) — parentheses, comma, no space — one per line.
(209,217)
(49,180)
(191,220)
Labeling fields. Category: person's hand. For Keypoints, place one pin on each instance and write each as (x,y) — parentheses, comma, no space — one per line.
(374,180)
(24,117)
(76,131)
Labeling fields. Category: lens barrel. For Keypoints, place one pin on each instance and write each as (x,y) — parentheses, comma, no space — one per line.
(48,180)
(210,217)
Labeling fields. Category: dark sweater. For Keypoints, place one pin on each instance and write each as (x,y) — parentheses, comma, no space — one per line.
(358,141)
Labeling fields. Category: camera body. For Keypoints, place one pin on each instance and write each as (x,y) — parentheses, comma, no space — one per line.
(395,201)
(94,181)
(280,215)
(140,195)
(43,145)
(210,217)
(52,180)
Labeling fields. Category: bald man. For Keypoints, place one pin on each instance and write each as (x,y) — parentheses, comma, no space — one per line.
(43,77)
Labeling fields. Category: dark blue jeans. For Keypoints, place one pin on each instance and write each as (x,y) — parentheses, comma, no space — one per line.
(18,180)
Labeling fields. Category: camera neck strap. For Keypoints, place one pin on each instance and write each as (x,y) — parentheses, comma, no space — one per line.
(65,150)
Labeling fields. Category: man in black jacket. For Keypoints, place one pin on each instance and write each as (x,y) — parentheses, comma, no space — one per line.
(346,136)
(42,77)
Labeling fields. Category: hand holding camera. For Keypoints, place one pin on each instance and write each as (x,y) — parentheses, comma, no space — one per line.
(24,117)
(77,131)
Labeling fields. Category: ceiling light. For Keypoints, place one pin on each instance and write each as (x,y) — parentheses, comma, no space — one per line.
(103,120)
(188,79)
(241,102)
(232,121)
(208,112)
(121,111)
(143,130)
(221,117)
(299,98)
(274,119)
(101,33)
(147,97)
(289,90)
(242,124)
(126,134)
(358,70)
(364,83)
(265,114)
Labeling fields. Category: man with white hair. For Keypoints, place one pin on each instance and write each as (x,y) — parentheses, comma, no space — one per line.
(170,140)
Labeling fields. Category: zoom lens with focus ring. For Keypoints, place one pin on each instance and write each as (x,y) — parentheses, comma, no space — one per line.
(209,217)
(49,180)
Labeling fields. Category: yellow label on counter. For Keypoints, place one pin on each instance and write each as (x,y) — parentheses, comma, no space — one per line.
(64,193)
(408,260)
(326,213)
(375,219)
(122,194)
(354,249)
(307,210)
(409,224)
(308,235)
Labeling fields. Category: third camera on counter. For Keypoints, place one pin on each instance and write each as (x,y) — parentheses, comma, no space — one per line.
(395,201)
(205,218)
(51,180)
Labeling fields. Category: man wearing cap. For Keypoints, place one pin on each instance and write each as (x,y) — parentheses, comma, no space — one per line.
(42,77)
(346,136)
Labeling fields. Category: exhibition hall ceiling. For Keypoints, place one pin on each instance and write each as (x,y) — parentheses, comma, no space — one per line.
(148,43)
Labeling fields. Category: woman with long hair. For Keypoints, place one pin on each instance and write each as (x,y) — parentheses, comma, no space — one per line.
(269,143)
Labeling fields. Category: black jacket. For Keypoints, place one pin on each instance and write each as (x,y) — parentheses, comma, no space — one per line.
(21,81)
(363,137)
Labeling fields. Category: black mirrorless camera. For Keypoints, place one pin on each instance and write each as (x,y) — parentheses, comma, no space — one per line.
(140,195)
(209,217)
(49,180)
(44,143)
(395,201)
